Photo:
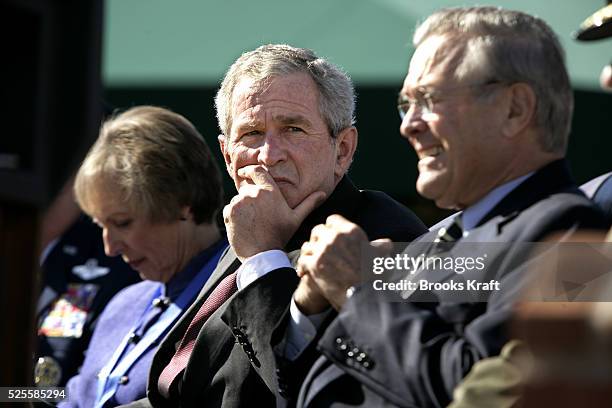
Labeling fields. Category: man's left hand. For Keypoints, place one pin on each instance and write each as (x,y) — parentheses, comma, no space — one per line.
(332,257)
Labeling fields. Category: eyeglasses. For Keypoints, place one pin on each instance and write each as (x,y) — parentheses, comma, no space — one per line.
(426,98)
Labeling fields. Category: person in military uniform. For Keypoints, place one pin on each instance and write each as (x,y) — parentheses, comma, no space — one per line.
(152,185)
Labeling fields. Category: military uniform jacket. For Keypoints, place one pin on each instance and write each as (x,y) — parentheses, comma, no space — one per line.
(118,319)
(78,282)
(232,364)
(414,354)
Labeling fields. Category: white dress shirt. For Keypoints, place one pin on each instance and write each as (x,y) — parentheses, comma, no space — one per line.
(302,329)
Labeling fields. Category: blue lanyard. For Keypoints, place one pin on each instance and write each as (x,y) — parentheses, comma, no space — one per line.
(108,379)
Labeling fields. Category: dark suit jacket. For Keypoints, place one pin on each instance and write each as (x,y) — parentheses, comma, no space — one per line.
(600,191)
(414,354)
(232,363)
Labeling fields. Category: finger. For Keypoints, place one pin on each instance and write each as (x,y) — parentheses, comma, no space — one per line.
(317,232)
(300,271)
(339,223)
(301,267)
(308,204)
(249,190)
(307,248)
(226,213)
(336,219)
(385,245)
(308,263)
(258,175)
(310,282)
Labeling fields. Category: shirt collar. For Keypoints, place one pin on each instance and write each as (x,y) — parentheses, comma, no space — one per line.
(475,213)
(180,281)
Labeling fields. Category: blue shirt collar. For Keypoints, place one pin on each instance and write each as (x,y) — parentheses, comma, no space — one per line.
(179,281)
(473,214)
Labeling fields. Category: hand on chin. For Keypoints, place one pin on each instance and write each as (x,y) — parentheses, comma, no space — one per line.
(259,217)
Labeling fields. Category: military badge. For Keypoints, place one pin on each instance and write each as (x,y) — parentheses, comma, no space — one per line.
(47,372)
(68,314)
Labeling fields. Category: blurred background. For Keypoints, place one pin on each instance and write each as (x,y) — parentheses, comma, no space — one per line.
(174,53)
(61,58)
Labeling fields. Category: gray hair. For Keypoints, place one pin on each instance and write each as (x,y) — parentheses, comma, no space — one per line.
(336,91)
(157,162)
(509,47)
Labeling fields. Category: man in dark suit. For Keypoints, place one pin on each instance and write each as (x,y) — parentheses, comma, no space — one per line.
(288,140)
(487,106)
(499,381)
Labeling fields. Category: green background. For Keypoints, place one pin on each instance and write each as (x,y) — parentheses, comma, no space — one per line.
(174,54)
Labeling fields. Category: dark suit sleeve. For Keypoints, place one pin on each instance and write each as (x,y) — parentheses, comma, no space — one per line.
(253,314)
(291,373)
(413,353)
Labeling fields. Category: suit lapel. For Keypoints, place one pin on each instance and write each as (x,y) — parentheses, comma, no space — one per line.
(491,229)
(484,236)
(227,264)
(322,374)
(550,179)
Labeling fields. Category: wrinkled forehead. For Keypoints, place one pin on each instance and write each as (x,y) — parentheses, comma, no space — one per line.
(245,92)
(297,87)
(435,59)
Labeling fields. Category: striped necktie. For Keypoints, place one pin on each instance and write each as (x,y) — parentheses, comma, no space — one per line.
(447,237)
(179,361)
(451,233)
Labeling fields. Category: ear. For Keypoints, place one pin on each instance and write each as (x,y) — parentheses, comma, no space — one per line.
(223,142)
(346,144)
(520,109)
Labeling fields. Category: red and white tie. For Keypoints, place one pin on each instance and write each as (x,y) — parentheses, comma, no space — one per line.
(177,364)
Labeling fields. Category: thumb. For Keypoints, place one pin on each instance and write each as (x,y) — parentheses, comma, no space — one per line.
(308,204)
(384,245)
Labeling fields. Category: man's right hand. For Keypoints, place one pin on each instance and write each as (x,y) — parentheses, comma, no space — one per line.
(309,298)
(259,219)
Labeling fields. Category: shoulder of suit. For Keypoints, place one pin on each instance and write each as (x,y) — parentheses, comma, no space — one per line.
(565,200)
(388,218)
(563,210)
(377,201)
(138,292)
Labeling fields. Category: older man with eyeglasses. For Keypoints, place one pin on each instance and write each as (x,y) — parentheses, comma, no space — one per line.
(487,106)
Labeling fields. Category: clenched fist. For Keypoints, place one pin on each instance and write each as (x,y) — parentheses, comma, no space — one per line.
(332,260)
